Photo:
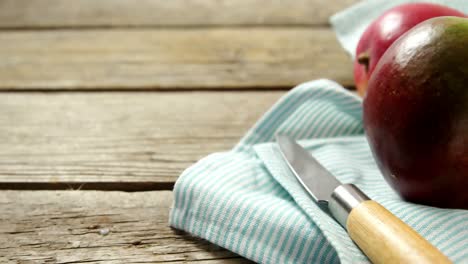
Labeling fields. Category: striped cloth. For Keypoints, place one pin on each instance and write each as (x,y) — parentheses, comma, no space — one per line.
(247,200)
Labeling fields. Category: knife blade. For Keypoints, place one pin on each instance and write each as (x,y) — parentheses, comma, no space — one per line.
(382,236)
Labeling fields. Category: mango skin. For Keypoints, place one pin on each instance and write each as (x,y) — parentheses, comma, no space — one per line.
(416,113)
(386,29)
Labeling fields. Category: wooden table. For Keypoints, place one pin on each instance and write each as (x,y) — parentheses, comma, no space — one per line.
(104,103)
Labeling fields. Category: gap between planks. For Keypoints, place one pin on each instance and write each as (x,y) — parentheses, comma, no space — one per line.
(158,90)
(97,186)
(171,27)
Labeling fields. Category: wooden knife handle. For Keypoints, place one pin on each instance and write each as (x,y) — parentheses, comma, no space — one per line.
(384,238)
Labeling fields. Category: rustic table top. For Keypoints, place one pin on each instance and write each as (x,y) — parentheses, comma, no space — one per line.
(104,104)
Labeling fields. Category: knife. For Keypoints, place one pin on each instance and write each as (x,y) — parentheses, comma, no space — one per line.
(382,236)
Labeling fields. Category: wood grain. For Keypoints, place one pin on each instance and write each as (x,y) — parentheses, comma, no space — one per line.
(70,227)
(114,13)
(170,59)
(384,238)
(118,140)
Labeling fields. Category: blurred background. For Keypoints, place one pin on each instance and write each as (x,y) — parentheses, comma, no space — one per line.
(178,44)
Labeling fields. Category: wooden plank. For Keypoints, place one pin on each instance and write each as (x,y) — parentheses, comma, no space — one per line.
(170,59)
(88,226)
(91,13)
(118,140)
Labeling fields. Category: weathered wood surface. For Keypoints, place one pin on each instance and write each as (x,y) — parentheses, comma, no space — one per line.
(211,67)
(70,227)
(170,59)
(118,140)
(91,13)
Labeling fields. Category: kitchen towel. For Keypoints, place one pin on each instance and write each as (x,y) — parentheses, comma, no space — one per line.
(247,200)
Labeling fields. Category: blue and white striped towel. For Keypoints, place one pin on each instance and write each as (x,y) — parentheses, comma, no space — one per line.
(247,200)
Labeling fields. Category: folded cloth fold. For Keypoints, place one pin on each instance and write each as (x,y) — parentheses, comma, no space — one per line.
(247,200)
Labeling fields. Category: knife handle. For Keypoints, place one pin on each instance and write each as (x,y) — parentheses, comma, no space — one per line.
(384,238)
